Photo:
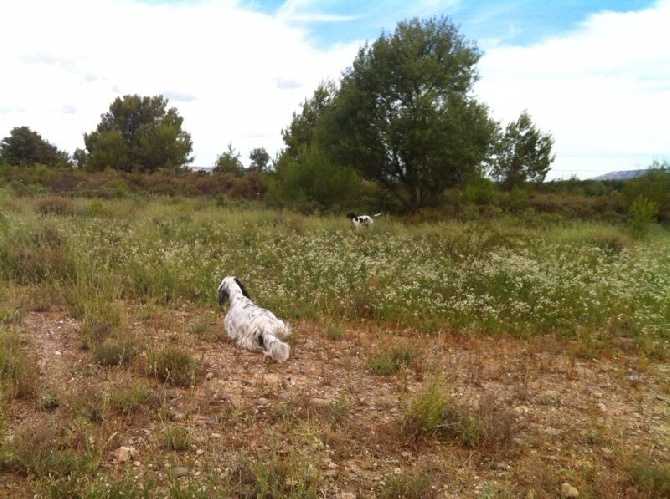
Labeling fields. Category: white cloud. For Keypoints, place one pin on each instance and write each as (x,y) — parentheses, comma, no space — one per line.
(235,76)
(603,91)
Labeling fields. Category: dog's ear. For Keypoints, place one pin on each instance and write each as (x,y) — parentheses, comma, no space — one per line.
(242,288)
(222,294)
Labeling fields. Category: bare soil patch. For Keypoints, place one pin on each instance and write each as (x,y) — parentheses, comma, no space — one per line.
(577,420)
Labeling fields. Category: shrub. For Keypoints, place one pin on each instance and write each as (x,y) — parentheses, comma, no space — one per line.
(173,366)
(55,205)
(177,438)
(650,477)
(387,363)
(642,214)
(18,369)
(115,352)
(436,415)
(406,485)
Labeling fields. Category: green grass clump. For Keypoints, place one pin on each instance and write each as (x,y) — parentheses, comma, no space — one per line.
(651,477)
(406,485)
(177,438)
(434,414)
(174,366)
(19,372)
(390,362)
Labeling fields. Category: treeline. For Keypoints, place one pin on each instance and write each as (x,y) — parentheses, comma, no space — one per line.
(401,132)
(646,198)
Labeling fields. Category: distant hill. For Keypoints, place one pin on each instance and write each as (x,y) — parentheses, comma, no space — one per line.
(622,175)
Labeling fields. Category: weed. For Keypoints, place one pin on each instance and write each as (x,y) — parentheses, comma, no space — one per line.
(116,352)
(177,438)
(406,485)
(173,366)
(651,477)
(133,398)
(434,414)
(18,369)
(392,361)
(275,476)
(339,409)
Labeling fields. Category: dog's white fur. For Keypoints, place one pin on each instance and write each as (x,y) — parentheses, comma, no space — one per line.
(251,326)
(358,221)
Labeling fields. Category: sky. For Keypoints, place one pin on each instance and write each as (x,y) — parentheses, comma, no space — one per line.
(593,73)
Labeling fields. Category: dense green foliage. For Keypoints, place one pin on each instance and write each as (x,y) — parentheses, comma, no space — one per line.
(404,115)
(521,154)
(229,162)
(24,147)
(138,134)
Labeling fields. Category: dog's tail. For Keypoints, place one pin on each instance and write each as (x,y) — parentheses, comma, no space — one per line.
(377,215)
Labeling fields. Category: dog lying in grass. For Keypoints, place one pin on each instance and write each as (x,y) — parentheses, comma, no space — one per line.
(251,326)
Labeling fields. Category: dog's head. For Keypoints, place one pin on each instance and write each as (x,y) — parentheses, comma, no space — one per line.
(230,286)
(279,351)
(351,215)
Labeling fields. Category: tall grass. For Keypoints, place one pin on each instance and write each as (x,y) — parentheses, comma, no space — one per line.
(568,278)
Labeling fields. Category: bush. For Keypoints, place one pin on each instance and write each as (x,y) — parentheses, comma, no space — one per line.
(18,369)
(643,213)
(436,415)
(173,366)
(56,206)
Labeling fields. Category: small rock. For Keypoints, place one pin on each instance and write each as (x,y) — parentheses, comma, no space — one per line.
(502,466)
(57,353)
(601,406)
(209,376)
(634,378)
(568,490)
(552,431)
(180,471)
(318,403)
(123,454)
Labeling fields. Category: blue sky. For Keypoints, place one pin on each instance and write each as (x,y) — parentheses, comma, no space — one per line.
(594,74)
(518,22)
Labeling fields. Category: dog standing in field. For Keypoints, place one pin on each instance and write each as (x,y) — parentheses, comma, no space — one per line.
(358,221)
(251,326)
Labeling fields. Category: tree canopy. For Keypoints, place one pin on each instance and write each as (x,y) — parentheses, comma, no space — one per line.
(522,153)
(404,116)
(138,134)
(229,162)
(25,147)
(260,160)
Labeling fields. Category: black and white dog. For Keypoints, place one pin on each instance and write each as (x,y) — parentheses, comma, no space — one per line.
(358,221)
(251,326)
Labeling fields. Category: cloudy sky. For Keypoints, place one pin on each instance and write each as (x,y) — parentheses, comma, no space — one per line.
(593,73)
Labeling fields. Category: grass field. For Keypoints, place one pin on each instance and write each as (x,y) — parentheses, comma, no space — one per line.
(457,359)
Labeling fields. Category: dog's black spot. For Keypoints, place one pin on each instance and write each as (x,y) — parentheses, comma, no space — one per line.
(242,288)
(260,341)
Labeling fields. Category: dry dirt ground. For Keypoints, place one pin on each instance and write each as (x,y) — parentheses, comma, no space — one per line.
(577,420)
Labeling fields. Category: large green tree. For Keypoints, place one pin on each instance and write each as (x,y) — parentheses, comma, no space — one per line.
(300,134)
(404,115)
(522,154)
(25,147)
(139,134)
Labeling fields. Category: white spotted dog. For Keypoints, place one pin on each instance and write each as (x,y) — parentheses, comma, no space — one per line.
(358,221)
(251,326)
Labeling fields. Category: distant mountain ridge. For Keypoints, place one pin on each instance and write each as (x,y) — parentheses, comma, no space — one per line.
(622,175)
